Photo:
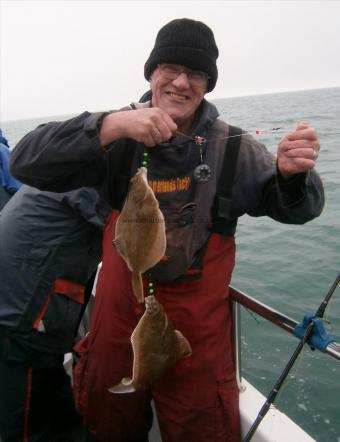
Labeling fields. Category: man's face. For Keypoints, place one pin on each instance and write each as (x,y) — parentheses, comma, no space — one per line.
(179,91)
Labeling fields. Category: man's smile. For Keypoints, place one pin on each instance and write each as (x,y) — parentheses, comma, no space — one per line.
(177,97)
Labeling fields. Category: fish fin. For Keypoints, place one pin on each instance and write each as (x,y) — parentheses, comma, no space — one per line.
(137,286)
(125,386)
(184,346)
(118,244)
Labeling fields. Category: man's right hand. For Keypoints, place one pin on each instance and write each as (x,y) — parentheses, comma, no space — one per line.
(149,126)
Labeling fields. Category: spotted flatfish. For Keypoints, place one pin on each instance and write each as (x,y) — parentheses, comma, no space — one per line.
(156,347)
(140,230)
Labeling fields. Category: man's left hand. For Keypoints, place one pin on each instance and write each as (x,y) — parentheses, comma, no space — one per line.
(298,150)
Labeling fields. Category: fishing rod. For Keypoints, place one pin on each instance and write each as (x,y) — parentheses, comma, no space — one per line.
(305,331)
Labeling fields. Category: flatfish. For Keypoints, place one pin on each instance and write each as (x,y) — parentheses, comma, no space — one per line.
(140,230)
(156,346)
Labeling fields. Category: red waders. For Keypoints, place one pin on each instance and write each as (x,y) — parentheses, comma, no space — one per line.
(197,400)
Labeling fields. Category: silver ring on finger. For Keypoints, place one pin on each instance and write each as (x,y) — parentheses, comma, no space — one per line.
(315,154)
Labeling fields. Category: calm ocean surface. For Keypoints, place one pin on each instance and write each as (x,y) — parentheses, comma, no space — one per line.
(290,268)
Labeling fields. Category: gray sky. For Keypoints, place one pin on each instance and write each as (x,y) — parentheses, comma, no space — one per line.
(62,57)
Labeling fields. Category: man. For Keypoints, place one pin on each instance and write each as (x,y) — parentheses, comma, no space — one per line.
(50,248)
(179,138)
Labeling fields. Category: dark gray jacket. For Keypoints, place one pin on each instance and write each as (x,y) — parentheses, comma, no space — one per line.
(50,247)
(60,156)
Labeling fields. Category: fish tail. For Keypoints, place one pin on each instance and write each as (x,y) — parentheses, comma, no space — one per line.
(137,286)
(125,386)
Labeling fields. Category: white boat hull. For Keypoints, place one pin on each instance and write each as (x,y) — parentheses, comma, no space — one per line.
(275,427)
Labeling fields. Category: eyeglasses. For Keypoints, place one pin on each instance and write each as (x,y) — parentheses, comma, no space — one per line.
(173,71)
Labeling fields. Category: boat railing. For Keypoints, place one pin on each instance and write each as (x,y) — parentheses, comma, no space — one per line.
(238,299)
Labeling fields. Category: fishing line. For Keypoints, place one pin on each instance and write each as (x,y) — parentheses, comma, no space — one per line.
(292,377)
(201,140)
(202,172)
(252,315)
(326,319)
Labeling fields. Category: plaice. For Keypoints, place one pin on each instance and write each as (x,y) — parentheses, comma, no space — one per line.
(156,347)
(140,230)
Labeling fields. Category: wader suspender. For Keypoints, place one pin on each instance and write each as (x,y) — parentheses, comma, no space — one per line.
(222,206)
(223,200)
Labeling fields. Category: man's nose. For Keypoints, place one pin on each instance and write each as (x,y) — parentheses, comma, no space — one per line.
(182,80)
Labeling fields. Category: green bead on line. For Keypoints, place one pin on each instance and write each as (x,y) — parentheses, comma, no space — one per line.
(146,159)
(150,288)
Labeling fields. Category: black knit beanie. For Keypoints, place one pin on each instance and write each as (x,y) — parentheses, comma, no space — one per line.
(186,42)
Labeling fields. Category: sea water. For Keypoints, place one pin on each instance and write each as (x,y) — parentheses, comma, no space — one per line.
(290,268)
